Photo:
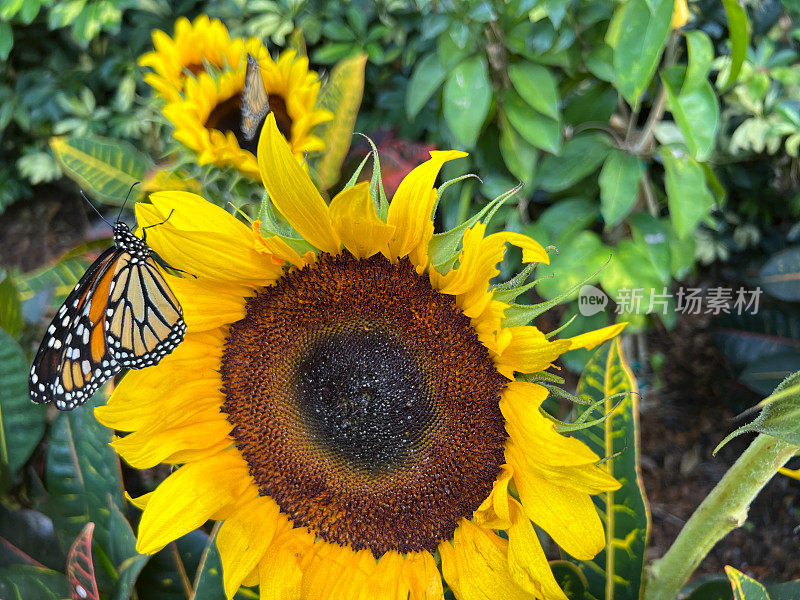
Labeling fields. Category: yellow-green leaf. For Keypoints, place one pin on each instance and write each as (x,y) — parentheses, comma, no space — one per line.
(616,573)
(342,96)
(745,588)
(106,169)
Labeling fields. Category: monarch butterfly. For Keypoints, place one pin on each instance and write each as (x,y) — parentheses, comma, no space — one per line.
(121,315)
(255,101)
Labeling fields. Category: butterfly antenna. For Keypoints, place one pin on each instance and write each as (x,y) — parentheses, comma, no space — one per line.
(119,214)
(95,209)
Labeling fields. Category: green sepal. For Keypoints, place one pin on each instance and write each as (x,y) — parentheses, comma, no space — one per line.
(780,414)
(270,227)
(376,190)
(522,314)
(444,247)
(583,422)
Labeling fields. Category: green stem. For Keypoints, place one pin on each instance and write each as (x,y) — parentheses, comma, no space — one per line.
(722,511)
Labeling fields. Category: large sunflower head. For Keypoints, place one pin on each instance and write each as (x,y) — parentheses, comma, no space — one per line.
(348,410)
(207,117)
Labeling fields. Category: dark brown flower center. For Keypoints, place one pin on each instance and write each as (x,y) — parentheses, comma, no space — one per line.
(364,404)
(227,116)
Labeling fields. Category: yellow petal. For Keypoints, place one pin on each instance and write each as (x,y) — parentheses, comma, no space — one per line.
(191,212)
(412,204)
(477,566)
(243,540)
(145,448)
(336,571)
(569,516)
(213,255)
(357,223)
(385,582)
(493,513)
(422,576)
(209,304)
(274,245)
(531,430)
(189,496)
(529,351)
(527,563)
(593,338)
(292,191)
(140,501)
(281,569)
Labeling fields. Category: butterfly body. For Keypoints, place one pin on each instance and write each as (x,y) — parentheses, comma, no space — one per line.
(121,314)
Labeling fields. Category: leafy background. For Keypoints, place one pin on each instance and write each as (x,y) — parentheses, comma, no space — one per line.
(672,150)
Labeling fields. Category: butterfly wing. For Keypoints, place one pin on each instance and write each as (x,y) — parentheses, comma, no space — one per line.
(73,358)
(255,101)
(145,320)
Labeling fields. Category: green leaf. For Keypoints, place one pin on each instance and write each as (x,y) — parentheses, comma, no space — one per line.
(578,257)
(632,267)
(169,573)
(427,78)
(342,96)
(638,33)
(656,235)
(519,156)
(619,185)
(80,566)
(688,197)
(780,414)
(780,276)
(22,582)
(82,474)
(701,55)
(128,572)
(581,156)
(695,111)
(537,86)
(570,579)
(466,100)
(106,169)
(538,130)
(10,307)
(708,587)
(123,555)
(562,220)
(6,40)
(22,423)
(739,36)
(745,588)
(627,519)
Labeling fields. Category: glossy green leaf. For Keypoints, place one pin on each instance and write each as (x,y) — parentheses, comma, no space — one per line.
(739,37)
(519,156)
(688,197)
(563,219)
(695,111)
(82,474)
(656,235)
(570,579)
(745,588)
(169,574)
(780,276)
(701,55)
(427,78)
(581,156)
(631,267)
(6,39)
(27,537)
(10,307)
(208,579)
(466,100)
(638,33)
(708,587)
(780,412)
(537,86)
(578,257)
(21,422)
(342,96)
(619,185)
(22,582)
(105,168)
(627,517)
(538,130)
(122,554)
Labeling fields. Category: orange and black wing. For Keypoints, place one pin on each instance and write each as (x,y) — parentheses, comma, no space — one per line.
(73,359)
(144,319)
(255,101)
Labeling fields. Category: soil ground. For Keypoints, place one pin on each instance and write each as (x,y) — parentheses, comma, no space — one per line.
(683,418)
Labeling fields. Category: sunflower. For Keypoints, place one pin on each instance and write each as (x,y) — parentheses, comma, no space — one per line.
(206,41)
(207,119)
(349,412)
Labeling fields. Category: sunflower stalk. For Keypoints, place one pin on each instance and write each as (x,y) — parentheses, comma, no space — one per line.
(722,511)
